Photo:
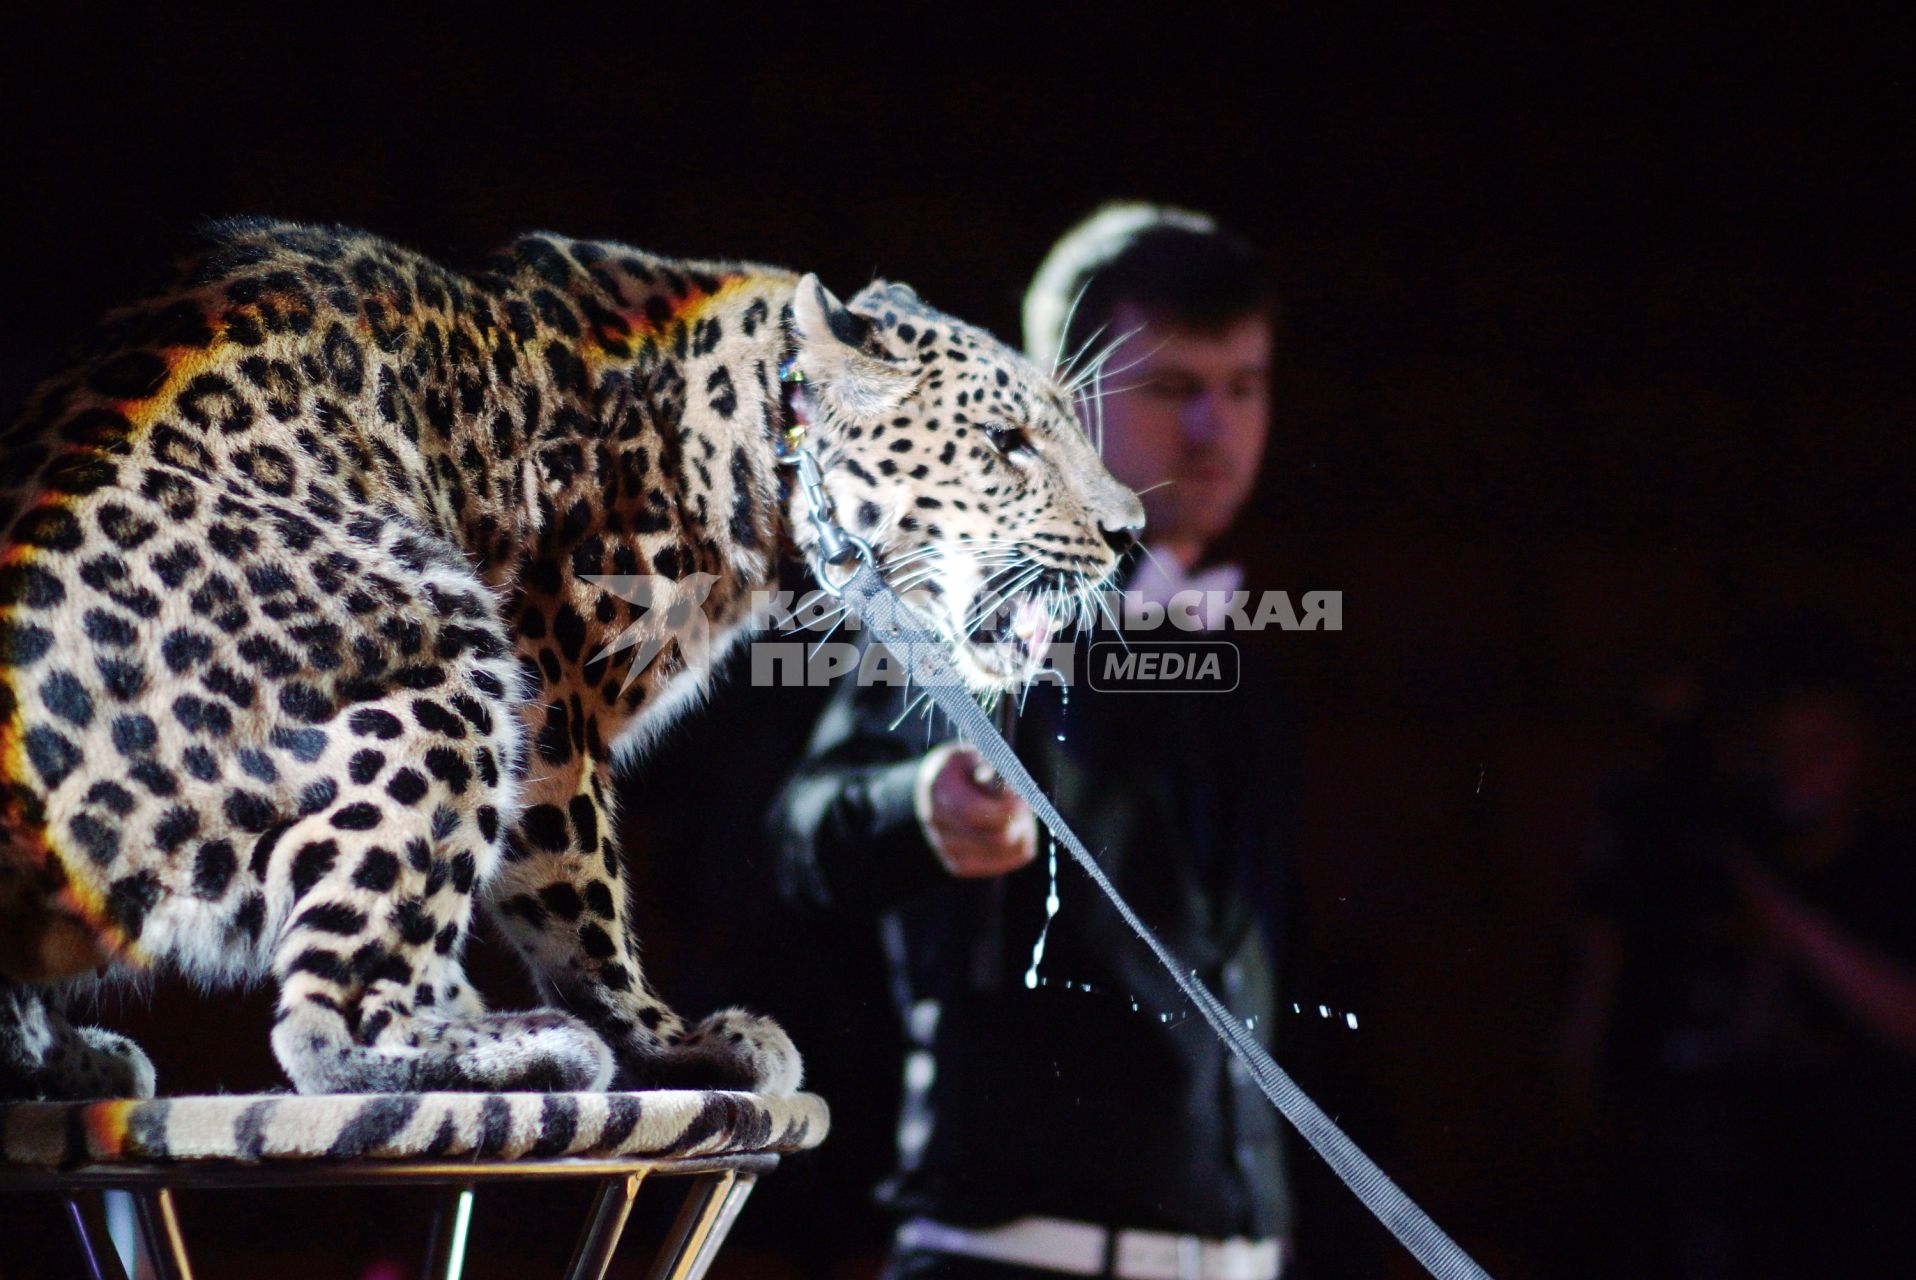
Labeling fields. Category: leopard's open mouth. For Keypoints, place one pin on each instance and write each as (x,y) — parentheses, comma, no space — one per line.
(1000,642)
(1004,650)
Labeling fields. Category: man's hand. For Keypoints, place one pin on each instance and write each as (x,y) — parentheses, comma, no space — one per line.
(976,826)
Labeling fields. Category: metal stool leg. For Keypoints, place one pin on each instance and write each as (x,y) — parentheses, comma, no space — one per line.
(710,1208)
(160,1232)
(451,1221)
(89,1228)
(610,1208)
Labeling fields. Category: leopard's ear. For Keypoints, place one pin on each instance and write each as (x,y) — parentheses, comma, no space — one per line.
(881,296)
(839,359)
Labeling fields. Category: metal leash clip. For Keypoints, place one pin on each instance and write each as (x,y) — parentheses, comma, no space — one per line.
(836,545)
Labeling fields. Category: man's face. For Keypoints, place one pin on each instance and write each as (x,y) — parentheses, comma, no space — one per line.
(1186,423)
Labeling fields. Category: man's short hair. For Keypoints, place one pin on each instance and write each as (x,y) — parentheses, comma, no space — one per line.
(1177,265)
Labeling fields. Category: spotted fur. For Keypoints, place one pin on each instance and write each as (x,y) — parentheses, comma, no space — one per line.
(304,639)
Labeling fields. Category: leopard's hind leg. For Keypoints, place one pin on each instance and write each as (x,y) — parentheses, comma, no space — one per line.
(42,1055)
(399,822)
(379,886)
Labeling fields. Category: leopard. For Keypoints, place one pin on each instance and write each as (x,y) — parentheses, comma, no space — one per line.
(312,625)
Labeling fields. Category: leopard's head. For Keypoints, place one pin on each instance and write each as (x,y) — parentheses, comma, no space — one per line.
(964,466)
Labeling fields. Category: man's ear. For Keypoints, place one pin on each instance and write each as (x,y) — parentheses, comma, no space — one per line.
(832,356)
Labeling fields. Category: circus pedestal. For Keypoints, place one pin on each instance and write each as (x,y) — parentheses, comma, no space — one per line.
(714,1145)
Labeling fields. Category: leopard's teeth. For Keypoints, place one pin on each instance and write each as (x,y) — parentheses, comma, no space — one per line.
(1030,619)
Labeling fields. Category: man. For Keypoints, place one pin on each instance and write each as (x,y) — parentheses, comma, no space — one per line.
(1065,1110)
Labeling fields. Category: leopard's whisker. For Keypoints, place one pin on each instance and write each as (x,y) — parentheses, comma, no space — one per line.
(1096,368)
(997,601)
(1067,373)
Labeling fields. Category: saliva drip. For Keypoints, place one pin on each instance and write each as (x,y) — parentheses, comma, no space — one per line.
(1050,910)
(1051,849)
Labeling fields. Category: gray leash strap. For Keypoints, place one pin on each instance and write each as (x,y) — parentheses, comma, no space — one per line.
(892,623)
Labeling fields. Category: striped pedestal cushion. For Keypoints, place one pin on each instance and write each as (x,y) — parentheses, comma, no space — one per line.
(493,1126)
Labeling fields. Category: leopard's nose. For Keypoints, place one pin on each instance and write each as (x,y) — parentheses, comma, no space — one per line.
(1121,530)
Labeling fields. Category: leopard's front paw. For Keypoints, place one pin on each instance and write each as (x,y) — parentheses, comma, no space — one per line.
(758,1045)
(732,1049)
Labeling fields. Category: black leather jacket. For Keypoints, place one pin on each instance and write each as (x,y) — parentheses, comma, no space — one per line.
(1098,1094)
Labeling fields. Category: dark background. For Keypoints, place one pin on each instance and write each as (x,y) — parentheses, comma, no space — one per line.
(1594,350)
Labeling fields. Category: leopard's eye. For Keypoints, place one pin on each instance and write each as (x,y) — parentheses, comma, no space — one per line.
(1007,439)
